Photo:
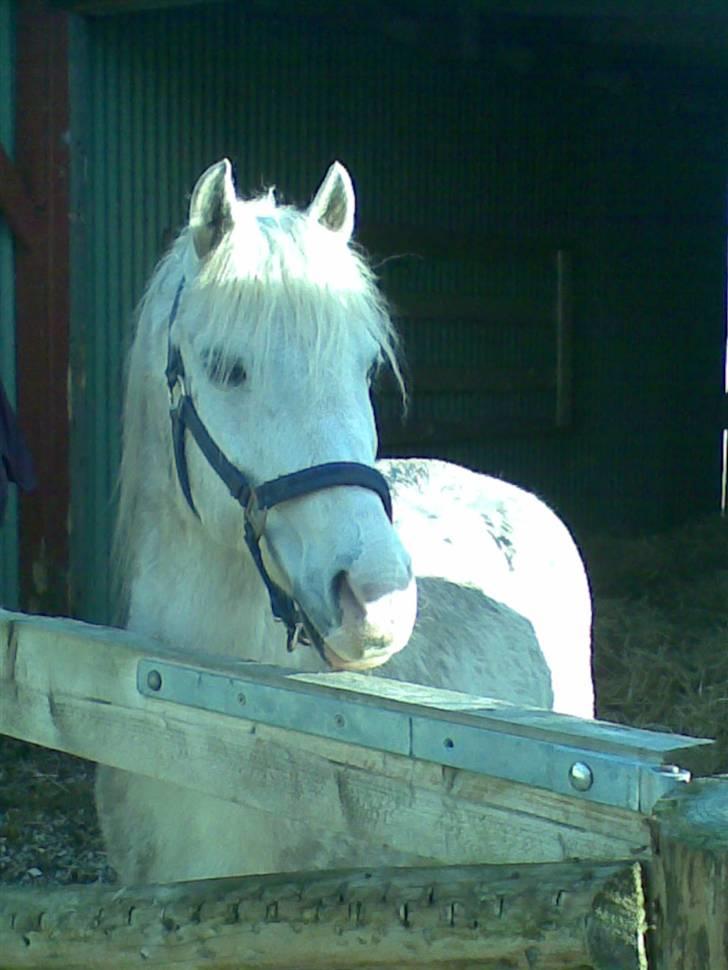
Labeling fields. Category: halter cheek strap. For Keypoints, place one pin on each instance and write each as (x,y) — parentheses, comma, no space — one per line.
(256,500)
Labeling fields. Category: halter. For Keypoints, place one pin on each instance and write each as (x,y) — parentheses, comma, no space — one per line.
(256,500)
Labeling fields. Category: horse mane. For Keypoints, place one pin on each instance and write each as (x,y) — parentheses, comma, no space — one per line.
(275,267)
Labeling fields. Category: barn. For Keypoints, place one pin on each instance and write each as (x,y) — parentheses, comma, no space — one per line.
(541,187)
(541,192)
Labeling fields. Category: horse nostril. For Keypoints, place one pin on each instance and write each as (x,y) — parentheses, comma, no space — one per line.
(365,592)
(346,596)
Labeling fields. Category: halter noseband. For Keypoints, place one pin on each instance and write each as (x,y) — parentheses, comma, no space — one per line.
(256,500)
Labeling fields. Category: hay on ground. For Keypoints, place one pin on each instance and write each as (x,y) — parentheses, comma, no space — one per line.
(661,630)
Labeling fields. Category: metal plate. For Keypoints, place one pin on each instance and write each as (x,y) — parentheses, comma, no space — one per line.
(631,784)
(287,707)
(465,740)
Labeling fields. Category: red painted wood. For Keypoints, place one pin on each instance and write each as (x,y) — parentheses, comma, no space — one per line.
(15,204)
(42,300)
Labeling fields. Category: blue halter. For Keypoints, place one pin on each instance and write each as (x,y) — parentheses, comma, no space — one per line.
(256,500)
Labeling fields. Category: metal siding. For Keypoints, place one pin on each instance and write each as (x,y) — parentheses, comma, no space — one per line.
(433,146)
(152,106)
(9,528)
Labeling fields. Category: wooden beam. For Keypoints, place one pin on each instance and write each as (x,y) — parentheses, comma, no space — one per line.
(73,687)
(43,301)
(569,916)
(101,7)
(16,205)
(688,879)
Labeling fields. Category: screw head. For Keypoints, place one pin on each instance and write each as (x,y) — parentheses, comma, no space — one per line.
(339,720)
(581,776)
(154,680)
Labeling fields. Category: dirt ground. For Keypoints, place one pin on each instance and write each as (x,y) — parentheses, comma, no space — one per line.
(660,661)
(48,827)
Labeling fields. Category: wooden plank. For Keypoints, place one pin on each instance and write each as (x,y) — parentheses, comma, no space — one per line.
(72,687)
(688,879)
(626,768)
(16,205)
(557,917)
(105,7)
(42,154)
(378,694)
(378,698)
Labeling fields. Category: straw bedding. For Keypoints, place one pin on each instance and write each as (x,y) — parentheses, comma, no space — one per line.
(661,630)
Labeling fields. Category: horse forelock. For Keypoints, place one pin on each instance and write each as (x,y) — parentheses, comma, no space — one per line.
(279,270)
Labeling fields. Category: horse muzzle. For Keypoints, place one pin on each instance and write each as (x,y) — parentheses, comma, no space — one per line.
(376,623)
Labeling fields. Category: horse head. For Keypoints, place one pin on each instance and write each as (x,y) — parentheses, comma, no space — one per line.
(274,333)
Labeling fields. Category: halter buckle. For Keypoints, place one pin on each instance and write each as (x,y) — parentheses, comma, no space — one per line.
(255,515)
(177,391)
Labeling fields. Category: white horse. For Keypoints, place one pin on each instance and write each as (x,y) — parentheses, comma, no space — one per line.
(269,327)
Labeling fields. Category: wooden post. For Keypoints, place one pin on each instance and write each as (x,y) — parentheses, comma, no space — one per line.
(42,300)
(551,917)
(688,879)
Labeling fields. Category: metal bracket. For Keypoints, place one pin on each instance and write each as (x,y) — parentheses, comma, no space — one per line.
(602,763)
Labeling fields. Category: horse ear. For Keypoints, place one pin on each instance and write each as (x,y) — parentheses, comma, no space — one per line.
(334,203)
(211,207)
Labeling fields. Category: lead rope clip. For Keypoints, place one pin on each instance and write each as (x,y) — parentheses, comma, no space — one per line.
(296,636)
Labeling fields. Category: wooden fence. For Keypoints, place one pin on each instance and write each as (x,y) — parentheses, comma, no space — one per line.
(540,841)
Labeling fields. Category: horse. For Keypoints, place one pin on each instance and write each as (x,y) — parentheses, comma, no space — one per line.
(253,517)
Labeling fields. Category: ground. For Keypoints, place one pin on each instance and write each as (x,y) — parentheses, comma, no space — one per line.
(660,661)
(48,827)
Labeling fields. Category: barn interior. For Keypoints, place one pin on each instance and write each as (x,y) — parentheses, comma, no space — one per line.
(541,187)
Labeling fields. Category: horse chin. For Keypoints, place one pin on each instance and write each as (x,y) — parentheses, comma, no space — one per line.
(369,637)
(370,662)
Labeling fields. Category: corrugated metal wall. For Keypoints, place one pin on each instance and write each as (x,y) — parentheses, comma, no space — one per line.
(9,528)
(610,166)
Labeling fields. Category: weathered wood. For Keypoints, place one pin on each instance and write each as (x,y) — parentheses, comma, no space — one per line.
(688,879)
(43,138)
(554,917)
(72,687)
(16,205)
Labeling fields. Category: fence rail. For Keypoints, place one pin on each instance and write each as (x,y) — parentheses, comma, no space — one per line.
(456,782)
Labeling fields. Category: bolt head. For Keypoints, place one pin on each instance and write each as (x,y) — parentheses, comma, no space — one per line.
(154,680)
(581,776)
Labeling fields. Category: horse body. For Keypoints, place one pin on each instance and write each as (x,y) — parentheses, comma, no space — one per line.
(488,556)
(279,325)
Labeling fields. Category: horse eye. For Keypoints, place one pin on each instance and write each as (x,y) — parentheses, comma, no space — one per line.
(221,371)
(235,375)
